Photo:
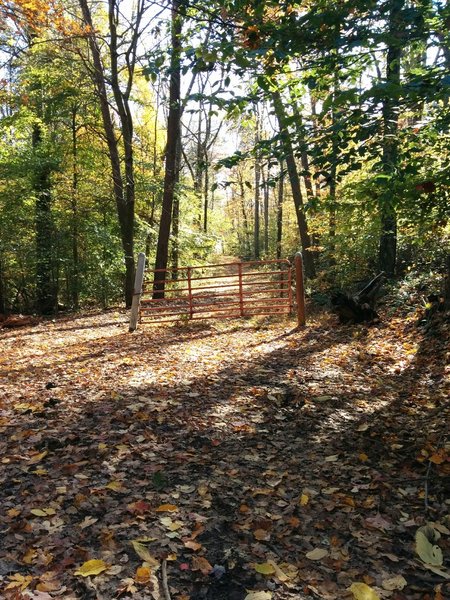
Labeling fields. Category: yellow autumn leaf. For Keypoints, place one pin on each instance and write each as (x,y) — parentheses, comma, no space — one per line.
(43,512)
(37,457)
(304,499)
(91,567)
(117,486)
(29,556)
(19,581)
(281,575)
(362,591)
(264,568)
(166,508)
(143,552)
(142,575)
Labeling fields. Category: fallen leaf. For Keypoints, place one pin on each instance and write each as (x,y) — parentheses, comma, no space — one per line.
(143,552)
(43,512)
(142,575)
(192,545)
(429,553)
(18,581)
(116,486)
(262,535)
(199,563)
(394,583)
(362,591)
(87,522)
(317,554)
(37,457)
(264,568)
(258,596)
(304,499)
(166,508)
(91,567)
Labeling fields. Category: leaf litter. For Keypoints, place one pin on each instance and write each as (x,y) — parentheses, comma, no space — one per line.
(250,459)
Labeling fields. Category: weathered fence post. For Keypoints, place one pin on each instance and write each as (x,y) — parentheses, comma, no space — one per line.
(191,306)
(300,290)
(138,281)
(241,290)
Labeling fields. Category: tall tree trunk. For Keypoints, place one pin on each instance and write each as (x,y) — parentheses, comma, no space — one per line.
(173,135)
(388,216)
(176,216)
(46,291)
(247,250)
(266,190)
(256,244)
(295,184)
(123,194)
(280,197)
(75,285)
(206,196)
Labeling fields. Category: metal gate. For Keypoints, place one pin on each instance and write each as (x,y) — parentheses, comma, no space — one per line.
(220,291)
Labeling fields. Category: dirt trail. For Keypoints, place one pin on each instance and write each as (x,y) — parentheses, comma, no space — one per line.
(249,455)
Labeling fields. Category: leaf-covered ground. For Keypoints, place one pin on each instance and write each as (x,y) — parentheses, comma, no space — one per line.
(232,460)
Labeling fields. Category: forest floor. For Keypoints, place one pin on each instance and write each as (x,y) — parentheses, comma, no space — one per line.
(225,460)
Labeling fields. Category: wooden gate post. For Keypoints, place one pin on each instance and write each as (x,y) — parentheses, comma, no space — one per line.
(138,281)
(300,290)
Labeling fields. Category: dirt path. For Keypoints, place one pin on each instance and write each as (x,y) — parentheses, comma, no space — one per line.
(245,456)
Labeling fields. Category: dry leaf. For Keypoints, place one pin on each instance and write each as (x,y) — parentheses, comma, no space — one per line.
(166,508)
(304,499)
(362,591)
(317,554)
(91,567)
(429,553)
(201,564)
(192,545)
(261,535)
(264,568)
(258,596)
(143,575)
(37,457)
(43,512)
(143,552)
(18,581)
(394,583)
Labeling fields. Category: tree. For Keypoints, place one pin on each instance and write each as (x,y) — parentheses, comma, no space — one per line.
(120,78)
(171,152)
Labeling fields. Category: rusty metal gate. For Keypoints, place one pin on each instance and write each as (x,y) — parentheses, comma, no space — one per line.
(220,291)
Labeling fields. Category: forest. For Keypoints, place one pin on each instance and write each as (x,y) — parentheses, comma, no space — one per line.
(247,129)
(282,455)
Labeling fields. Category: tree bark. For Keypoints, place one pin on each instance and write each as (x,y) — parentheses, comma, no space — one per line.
(123,194)
(280,197)
(257,196)
(75,285)
(173,135)
(46,290)
(295,184)
(388,216)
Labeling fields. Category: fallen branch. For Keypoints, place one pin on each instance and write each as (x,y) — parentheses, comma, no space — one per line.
(358,308)
(164,580)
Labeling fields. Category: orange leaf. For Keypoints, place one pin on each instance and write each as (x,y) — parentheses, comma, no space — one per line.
(192,545)
(201,564)
(167,508)
(142,575)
